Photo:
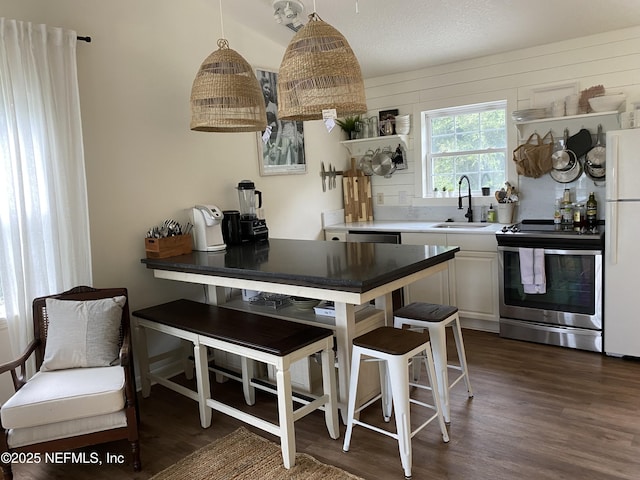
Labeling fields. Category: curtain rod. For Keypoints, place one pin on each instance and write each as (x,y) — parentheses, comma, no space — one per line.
(84,39)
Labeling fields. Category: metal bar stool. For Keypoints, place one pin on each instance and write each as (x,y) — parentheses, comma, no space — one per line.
(393,348)
(435,318)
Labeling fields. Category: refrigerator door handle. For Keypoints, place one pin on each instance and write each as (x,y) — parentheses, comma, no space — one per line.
(611,238)
(613,171)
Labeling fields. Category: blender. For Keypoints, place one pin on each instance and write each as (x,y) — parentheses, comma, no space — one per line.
(252,228)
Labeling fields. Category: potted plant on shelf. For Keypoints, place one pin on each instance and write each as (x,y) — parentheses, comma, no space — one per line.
(349,125)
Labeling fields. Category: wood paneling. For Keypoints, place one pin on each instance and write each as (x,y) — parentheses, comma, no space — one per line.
(609,59)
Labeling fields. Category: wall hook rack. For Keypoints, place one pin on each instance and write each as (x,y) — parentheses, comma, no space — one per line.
(331,174)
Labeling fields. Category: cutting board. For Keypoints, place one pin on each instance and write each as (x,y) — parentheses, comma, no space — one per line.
(358,203)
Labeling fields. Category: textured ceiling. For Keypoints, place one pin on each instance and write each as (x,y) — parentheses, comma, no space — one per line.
(391,36)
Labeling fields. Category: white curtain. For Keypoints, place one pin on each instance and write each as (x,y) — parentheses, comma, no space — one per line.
(44,224)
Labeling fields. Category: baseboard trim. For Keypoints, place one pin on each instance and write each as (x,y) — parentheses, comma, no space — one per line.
(490,326)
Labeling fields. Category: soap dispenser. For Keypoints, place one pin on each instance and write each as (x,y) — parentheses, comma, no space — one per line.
(491,214)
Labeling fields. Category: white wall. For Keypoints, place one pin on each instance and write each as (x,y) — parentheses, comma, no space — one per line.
(611,59)
(143,163)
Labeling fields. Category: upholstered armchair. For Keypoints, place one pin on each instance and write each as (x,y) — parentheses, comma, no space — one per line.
(83,392)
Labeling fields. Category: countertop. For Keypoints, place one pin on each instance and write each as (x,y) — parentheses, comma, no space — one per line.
(419,226)
(351,267)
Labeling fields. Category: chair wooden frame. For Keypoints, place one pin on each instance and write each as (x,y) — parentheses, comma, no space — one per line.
(17,368)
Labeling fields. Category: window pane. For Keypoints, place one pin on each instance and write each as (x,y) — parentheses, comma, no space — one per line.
(469,141)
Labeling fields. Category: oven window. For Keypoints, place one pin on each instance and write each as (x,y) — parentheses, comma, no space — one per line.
(571,283)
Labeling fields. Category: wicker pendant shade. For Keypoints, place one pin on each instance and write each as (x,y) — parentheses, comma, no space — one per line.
(226,96)
(319,71)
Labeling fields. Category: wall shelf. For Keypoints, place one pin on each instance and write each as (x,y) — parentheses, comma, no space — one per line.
(567,118)
(590,121)
(361,145)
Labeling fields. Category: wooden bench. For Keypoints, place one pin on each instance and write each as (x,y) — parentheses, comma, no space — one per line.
(254,337)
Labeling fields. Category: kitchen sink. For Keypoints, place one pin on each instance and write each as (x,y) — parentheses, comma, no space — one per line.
(460,225)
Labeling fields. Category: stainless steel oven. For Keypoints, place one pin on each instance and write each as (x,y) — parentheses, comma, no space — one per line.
(570,312)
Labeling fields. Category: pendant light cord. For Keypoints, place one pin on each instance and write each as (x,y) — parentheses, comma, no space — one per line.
(221,21)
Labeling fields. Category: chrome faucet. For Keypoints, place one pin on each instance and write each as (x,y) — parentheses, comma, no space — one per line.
(469,213)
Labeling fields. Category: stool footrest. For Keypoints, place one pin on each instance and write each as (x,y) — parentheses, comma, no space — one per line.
(375,429)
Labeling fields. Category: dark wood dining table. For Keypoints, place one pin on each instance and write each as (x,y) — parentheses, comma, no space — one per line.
(347,274)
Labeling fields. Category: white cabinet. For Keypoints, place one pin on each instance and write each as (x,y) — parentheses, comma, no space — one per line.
(474,280)
(475,288)
(471,283)
(434,288)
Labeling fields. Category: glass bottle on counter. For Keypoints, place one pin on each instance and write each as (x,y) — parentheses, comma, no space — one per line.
(557,214)
(592,212)
(566,210)
(567,214)
(578,217)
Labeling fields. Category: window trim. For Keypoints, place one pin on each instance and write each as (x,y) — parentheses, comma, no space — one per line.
(452,102)
(453,111)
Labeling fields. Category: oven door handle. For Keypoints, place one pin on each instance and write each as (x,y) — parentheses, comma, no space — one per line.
(552,251)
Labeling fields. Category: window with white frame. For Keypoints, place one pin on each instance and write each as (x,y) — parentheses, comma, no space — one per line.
(468,140)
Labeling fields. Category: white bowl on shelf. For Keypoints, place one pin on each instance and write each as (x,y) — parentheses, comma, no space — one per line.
(304,303)
(607,103)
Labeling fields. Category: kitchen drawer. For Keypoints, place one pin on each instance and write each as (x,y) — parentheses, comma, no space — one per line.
(477,243)
(411,238)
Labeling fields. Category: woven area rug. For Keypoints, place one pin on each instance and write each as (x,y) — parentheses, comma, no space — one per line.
(242,455)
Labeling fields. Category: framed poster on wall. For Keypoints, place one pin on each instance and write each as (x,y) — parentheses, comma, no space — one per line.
(281,150)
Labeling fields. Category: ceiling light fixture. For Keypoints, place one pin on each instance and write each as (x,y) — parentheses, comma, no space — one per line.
(318,72)
(226,95)
(288,12)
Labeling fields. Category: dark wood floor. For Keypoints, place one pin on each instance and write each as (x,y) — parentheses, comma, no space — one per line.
(539,412)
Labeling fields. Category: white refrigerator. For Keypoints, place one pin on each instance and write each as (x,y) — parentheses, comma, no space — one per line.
(622,244)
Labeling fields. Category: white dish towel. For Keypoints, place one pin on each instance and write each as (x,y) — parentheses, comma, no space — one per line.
(532,274)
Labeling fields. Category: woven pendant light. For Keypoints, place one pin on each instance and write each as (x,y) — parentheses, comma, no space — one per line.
(319,71)
(226,96)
